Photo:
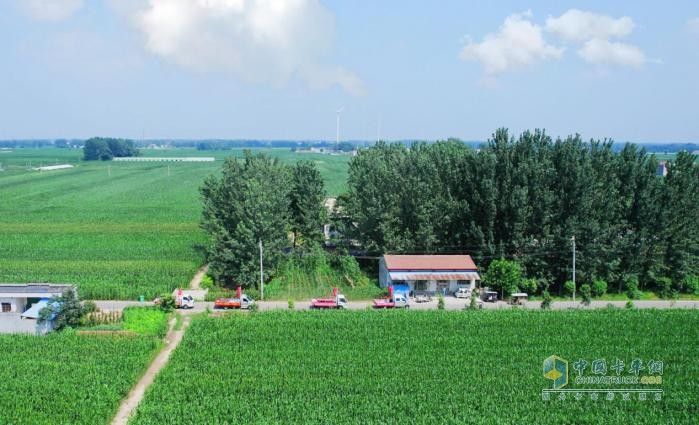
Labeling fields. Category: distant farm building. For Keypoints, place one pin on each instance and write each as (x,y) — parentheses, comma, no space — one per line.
(54,167)
(166,159)
(429,273)
(20,305)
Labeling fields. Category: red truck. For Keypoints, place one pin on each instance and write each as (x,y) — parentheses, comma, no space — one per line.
(338,301)
(394,300)
(241,301)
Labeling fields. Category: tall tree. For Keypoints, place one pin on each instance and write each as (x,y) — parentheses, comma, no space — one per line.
(247,204)
(307,204)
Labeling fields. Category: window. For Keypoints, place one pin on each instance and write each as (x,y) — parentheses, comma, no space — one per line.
(6,307)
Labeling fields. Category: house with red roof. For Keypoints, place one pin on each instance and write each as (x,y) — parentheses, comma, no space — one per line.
(429,273)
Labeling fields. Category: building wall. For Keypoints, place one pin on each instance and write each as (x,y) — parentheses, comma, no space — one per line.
(17,305)
(384,276)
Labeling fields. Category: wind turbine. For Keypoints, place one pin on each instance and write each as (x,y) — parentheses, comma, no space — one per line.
(337,134)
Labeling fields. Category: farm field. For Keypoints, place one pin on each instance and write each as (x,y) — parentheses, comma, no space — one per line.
(119,230)
(418,367)
(68,378)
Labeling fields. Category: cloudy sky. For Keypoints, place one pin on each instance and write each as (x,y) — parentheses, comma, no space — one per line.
(279,69)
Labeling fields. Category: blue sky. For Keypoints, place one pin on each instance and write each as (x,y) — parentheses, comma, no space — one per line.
(266,69)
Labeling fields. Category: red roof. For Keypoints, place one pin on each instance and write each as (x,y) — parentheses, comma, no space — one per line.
(429,262)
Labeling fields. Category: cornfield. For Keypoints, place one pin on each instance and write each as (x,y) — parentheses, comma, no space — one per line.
(67,378)
(420,367)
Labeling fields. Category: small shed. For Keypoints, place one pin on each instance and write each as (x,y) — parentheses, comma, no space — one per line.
(429,273)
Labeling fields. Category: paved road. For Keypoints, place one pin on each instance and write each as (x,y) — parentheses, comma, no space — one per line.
(450,303)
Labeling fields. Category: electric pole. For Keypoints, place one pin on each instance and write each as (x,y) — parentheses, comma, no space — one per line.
(573,239)
(262,279)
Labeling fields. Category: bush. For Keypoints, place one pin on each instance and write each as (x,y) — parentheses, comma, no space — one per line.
(254,307)
(473,305)
(529,286)
(89,307)
(629,304)
(207,282)
(632,289)
(440,303)
(291,304)
(666,289)
(253,293)
(166,303)
(569,287)
(599,288)
(586,294)
(546,301)
(691,284)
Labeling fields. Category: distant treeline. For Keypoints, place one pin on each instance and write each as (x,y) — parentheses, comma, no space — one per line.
(524,198)
(104,149)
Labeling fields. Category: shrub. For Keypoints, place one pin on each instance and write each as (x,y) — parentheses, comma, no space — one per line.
(473,305)
(546,301)
(291,304)
(632,288)
(586,294)
(167,303)
(599,288)
(207,282)
(253,293)
(254,307)
(440,302)
(665,288)
(569,287)
(529,286)
(89,307)
(691,284)
(629,304)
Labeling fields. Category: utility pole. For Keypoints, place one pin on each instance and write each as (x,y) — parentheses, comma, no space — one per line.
(262,279)
(573,239)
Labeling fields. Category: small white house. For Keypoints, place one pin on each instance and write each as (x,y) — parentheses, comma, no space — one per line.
(429,273)
(21,303)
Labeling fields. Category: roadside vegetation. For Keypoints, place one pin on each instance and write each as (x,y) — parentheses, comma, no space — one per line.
(416,367)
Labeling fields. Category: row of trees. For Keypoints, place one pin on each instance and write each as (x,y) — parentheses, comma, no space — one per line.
(104,149)
(523,199)
(255,199)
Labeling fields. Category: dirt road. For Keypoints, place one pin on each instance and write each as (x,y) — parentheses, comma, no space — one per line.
(128,406)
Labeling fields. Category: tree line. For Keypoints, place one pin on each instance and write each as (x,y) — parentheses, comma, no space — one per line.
(105,148)
(524,198)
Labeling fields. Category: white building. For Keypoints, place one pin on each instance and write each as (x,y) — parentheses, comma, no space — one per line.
(429,273)
(20,304)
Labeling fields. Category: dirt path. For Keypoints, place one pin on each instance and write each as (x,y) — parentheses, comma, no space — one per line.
(128,406)
(196,280)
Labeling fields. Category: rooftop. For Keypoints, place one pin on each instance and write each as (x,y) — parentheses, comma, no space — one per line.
(429,262)
(33,288)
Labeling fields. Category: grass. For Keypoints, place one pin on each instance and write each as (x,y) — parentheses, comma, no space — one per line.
(149,321)
(68,378)
(118,230)
(419,367)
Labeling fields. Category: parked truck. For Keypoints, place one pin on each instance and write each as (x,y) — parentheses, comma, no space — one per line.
(394,300)
(240,302)
(337,301)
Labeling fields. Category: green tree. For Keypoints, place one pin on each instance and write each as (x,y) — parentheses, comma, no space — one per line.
(64,311)
(504,276)
(96,149)
(307,204)
(247,204)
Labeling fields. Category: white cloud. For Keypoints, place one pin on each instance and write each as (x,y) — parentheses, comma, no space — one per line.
(50,10)
(580,26)
(519,42)
(693,25)
(594,31)
(607,53)
(257,40)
